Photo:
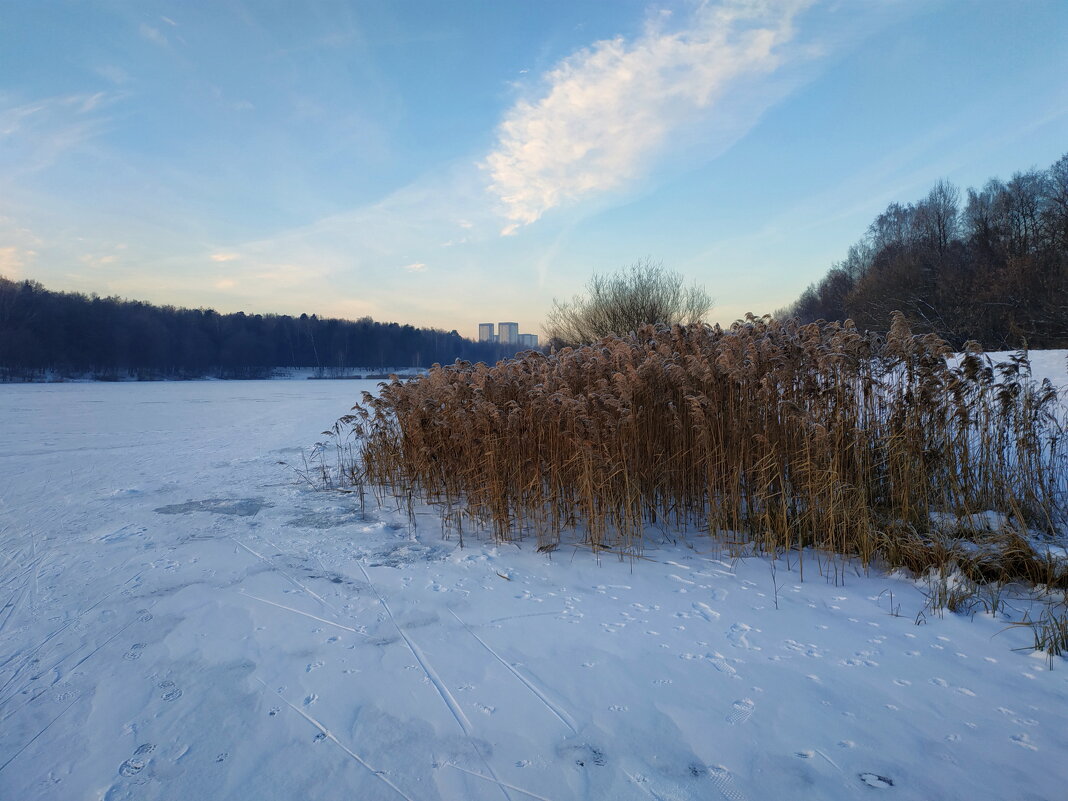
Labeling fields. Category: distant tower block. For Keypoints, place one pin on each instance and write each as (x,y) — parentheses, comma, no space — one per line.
(508,333)
(528,340)
(485,332)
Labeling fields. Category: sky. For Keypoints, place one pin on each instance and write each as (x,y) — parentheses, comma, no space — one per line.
(445,164)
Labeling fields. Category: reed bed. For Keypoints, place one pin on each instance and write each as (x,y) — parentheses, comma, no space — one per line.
(783,435)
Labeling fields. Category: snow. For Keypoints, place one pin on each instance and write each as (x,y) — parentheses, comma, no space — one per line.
(183,617)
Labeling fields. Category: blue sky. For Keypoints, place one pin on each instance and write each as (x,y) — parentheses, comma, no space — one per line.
(448,163)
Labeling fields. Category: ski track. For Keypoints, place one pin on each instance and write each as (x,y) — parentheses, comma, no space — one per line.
(305,614)
(557,711)
(443,691)
(135,645)
(446,696)
(378,774)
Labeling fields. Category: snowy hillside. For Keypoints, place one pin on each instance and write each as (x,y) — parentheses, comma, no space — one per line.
(181,617)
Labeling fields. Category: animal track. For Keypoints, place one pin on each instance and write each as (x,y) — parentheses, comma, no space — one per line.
(808,649)
(134,652)
(585,753)
(1024,741)
(875,780)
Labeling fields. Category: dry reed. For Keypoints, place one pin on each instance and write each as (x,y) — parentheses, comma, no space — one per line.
(790,436)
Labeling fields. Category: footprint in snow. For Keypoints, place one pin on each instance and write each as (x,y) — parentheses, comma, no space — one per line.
(706,611)
(721,664)
(134,652)
(137,763)
(741,711)
(738,636)
(170,692)
(723,779)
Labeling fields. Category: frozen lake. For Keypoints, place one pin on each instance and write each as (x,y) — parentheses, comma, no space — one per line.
(182,618)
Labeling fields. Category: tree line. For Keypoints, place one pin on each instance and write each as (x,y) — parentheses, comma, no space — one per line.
(991,266)
(67,333)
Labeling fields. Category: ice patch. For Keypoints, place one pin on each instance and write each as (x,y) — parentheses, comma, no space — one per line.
(239,507)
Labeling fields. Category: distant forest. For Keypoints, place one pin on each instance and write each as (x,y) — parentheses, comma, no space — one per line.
(990,267)
(45,333)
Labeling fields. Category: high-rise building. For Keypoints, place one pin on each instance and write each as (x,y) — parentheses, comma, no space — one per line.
(508,333)
(485,332)
(528,340)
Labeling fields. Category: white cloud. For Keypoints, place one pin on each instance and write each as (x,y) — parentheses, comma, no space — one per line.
(96,260)
(225,256)
(417,267)
(606,110)
(12,260)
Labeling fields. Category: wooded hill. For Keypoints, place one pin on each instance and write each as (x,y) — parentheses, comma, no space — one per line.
(67,333)
(991,266)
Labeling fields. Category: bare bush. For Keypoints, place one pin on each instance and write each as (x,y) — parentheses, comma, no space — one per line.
(621,303)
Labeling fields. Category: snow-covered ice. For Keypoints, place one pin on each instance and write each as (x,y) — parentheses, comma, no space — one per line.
(182,618)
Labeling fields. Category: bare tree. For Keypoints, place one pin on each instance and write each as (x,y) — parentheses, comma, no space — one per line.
(622,302)
(937,217)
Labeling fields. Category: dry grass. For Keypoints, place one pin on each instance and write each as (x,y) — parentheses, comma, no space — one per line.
(790,436)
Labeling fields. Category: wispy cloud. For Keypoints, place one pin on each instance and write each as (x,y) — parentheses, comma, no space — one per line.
(35,135)
(417,267)
(605,111)
(154,35)
(225,256)
(114,74)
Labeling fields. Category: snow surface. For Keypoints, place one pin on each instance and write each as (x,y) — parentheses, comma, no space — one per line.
(183,618)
